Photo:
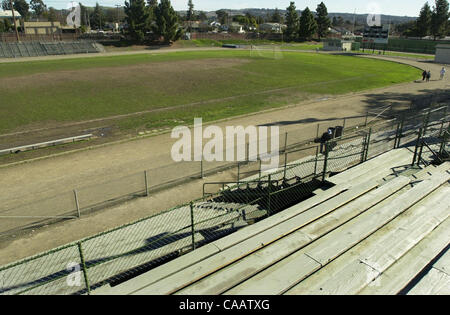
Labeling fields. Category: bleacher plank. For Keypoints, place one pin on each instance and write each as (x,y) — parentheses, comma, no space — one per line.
(436,281)
(326,250)
(249,266)
(398,276)
(230,255)
(285,275)
(205,252)
(354,270)
(382,162)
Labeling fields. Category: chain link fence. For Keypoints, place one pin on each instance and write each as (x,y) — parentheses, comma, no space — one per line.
(124,252)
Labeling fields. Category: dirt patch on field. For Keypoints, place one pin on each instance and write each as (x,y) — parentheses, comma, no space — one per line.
(151,69)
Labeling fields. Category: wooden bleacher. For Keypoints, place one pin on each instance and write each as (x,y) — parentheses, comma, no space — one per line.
(374,232)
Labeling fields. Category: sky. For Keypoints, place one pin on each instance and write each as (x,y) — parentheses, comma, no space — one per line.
(390,7)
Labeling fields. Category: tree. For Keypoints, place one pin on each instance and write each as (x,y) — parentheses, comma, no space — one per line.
(439,19)
(308,25)
(137,17)
(423,23)
(190,13)
(202,16)
(222,16)
(6,5)
(166,22)
(292,22)
(276,16)
(323,22)
(98,17)
(52,15)
(38,7)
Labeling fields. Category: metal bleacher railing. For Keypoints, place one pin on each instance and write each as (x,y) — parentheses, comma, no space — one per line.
(124,252)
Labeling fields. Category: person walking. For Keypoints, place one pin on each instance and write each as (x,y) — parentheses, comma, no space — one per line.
(443,71)
(429,76)
(424,75)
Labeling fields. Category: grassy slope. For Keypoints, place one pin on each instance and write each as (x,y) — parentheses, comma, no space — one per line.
(297,75)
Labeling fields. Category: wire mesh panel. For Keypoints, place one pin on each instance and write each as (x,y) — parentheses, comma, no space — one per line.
(16,215)
(100,194)
(56,272)
(116,254)
(345,153)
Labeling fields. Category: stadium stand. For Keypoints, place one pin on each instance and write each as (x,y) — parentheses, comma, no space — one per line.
(34,49)
(347,239)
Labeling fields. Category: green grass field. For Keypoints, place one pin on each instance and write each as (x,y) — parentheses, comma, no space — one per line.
(183,85)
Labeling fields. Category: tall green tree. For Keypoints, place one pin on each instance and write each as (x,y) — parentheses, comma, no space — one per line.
(308,25)
(202,16)
(222,16)
(137,17)
(6,5)
(98,17)
(166,24)
(190,13)
(38,7)
(323,22)
(439,19)
(52,15)
(276,17)
(292,22)
(423,23)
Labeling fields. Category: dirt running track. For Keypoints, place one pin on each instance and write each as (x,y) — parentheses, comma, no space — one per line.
(25,183)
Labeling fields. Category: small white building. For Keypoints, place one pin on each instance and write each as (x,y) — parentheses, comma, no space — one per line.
(337,45)
(8,14)
(442,54)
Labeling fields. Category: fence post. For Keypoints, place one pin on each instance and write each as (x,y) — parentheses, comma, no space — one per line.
(269,190)
(318,130)
(417,147)
(396,135)
(83,265)
(285,165)
(260,165)
(420,152)
(315,163)
(400,133)
(146,183)
(285,141)
(192,225)
(239,172)
(343,126)
(75,194)
(248,152)
(201,168)
(368,144)
(325,162)
(367,119)
(363,153)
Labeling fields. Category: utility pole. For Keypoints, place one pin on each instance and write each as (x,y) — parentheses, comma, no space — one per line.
(14,19)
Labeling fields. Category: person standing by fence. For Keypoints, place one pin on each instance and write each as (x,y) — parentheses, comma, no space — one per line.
(429,76)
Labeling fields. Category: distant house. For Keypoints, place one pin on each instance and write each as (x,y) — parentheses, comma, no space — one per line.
(237,28)
(8,14)
(272,27)
(42,28)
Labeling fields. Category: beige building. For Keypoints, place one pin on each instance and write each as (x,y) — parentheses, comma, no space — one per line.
(442,54)
(42,28)
(337,45)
